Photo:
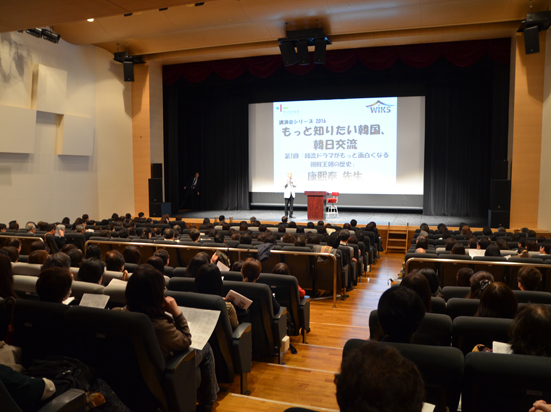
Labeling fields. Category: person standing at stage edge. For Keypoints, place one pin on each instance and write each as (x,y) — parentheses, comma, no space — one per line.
(289,194)
(192,189)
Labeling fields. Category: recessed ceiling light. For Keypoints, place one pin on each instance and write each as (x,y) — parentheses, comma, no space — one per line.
(90,20)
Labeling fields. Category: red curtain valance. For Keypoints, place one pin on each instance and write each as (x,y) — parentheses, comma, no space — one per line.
(462,54)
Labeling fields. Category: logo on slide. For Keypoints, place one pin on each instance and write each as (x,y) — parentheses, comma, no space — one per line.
(285,109)
(380,107)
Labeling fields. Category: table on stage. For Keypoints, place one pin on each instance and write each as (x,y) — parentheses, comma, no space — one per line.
(316,205)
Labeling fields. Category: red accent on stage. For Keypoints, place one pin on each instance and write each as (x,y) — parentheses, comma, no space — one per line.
(316,205)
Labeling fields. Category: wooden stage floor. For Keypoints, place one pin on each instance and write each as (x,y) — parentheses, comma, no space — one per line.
(306,379)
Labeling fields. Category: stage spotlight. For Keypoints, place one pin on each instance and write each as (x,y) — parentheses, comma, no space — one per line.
(34,32)
(319,51)
(288,53)
(50,35)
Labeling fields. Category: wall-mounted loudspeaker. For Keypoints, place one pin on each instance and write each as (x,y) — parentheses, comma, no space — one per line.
(532,40)
(128,71)
(288,53)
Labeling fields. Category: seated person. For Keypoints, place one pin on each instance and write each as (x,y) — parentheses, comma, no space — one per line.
(458,249)
(114,261)
(432,278)
(54,285)
(57,260)
(251,271)
(463,277)
(530,331)
(284,269)
(497,301)
(195,264)
(28,393)
(529,278)
(479,281)
(6,278)
(400,312)
(209,281)
(91,271)
(420,285)
(38,257)
(377,378)
(145,294)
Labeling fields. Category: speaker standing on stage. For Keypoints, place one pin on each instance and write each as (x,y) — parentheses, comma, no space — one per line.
(192,190)
(289,194)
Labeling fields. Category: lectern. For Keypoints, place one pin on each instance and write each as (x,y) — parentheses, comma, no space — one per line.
(316,205)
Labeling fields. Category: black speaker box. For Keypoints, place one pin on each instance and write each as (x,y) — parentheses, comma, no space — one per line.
(497,218)
(302,53)
(500,194)
(532,40)
(156,170)
(288,53)
(155,190)
(128,71)
(500,169)
(159,209)
(320,51)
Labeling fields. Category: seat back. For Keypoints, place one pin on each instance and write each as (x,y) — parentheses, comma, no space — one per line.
(178,284)
(462,307)
(455,292)
(28,269)
(122,348)
(77,239)
(469,331)
(529,296)
(301,268)
(80,288)
(438,305)
(448,270)
(261,315)
(485,263)
(286,293)
(499,382)
(435,329)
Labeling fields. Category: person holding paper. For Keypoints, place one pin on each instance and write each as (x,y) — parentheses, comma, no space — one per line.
(251,271)
(289,194)
(145,294)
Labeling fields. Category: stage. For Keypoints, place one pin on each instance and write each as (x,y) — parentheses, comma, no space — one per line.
(363,217)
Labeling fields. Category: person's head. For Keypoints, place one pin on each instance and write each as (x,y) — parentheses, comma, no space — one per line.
(502,244)
(67,248)
(16,243)
(168,234)
(38,257)
(145,292)
(424,227)
(2,227)
(432,278)
(532,246)
(531,233)
(473,243)
(486,231)
(483,243)
(76,257)
(54,284)
(420,250)
(194,235)
(6,278)
(377,378)
(236,236)
(246,239)
(91,271)
(251,270)
(79,228)
(114,261)
(422,242)
(457,249)
(497,300)
(400,312)
(60,230)
(12,252)
(13,225)
(529,278)
(545,247)
(284,219)
(195,264)
(38,245)
(281,269)
(530,331)
(463,277)
(157,263)
(479,281)
(221,218)
(93,251)
(30,227)
(420,285)
(57,260)
(123,233)
(281,229)
(344,235)
(492,250)
(163,254)
(209,280)
(131,254)
(288,238)
(237,265)
(450,242)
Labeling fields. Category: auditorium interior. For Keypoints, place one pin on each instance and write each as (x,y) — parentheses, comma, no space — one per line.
(77,138)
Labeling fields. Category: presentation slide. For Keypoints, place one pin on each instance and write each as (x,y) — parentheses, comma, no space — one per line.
(336,145)
(370,150)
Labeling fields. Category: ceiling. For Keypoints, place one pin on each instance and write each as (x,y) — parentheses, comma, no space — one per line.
(222,29)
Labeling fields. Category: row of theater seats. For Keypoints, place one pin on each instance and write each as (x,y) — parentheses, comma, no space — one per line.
(266,339)
(502,269)
(485,382)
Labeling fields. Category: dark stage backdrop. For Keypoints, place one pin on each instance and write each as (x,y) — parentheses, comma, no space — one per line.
(466,85)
